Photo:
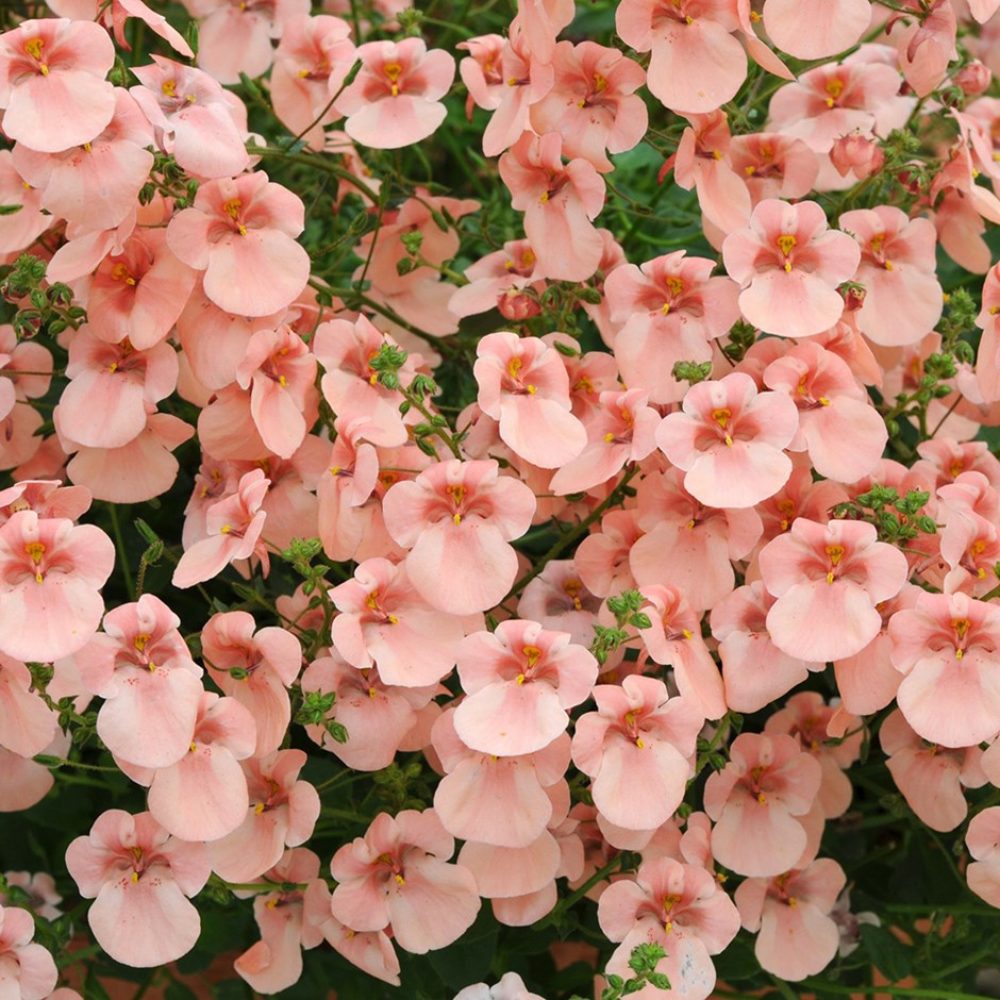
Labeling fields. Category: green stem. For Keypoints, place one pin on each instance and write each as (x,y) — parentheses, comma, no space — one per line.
(52,763)
(116,529)
(316,162)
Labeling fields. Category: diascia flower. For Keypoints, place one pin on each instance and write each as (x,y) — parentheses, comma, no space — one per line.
(139,878)
(51,572)
(457,519)
(789,265)
(29,971)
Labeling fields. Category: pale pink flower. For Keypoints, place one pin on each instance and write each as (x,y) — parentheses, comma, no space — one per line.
(27,724)
(789,265)
(903,298)
(796,934)
(755,802)
(312,52)
(282,813)
(988,320)
(680,907)
(755,672)
(842,432)
(288,920)
(233,527)
(928,776)
(113,15)
(20,229)
(202,125)
(815,29)
(29,971)
(524,385)
(946,648)
(490,799)
(384,622)
(773,165)
(857,154)
(637,749)
(235,38)
(395,100)
(504,280)
(279,371)
(808,717)
(52,83)
(457,520)
(46,497)
(44,899)
(241,233)
(696,64)
(51,572)
(983,840)
(110,388)
(139,294)
(669,310)
(256,667)
(509,987)
(94,185)
(603,556)
(559,202)
(398,876)
(674,637)
(141,666)
(540,21)
(827,580)
(592,102)
(376,716)
(703,542)
(520,682)
(729,440)
(203,796)
(139,878)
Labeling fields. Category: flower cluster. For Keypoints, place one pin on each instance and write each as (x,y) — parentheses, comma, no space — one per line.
(531,487)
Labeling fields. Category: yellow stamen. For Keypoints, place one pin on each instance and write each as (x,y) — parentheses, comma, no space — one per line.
(258,809)
(722,416)
(169,88)
(640,744)
(532,654)
(836,553)
(141,641)
(225,529)
(786,243)
(543,199)
(457,518)
(135,877)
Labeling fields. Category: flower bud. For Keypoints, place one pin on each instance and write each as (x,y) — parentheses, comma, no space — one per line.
(517,305)
(858,153)
(973,78)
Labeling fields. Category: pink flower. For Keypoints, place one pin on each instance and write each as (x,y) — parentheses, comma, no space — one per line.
(558,599)
(279,371)
(95,185)
(789,265)
(729,440)
(203,796)
(51,572)
(755,801)
(52,83)
(857,154)
(142,668)
(140,876)
(234,526)
(622,430)
(312,52)
(256,667)
(637,750)
(288,920)
(773,165)
(696,64)
(29,972)
(983,841)
(593,103)
(282,813)
(754,670)
(457,519)
(241,233)
(815,29)
(680,907)
(523,383)
(495,800)
(138,294)
(838,426)
(903,298)
(202,124)
(384,622)
(27,724)
(930,777)
(674,637)
(827,580)
(397,876)
(946,648)
(504,280)
(111,386)
(520,682)
(796,934)
(559,202)
(395,100)
(20,230)
(988,320)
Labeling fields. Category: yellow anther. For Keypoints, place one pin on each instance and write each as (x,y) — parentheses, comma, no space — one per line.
(762,798)
(668,926)
(786,243)
(834,87)
(399,879)
(532,654)
(393,620)
(135,877)
(34,47)
(282,381)
(686,632)
(665,308)
(823,401)
(959,653)
(639,743)
(722,416)
(750,170)
(193,747)
(225,529)
(716,154)
(609,437)
(372,692)
(232,208)
(961,627)
(392,71)
(888,265)
(520,679)
(35,550)
(258,809)
(836,553)
(456,518)
(141,641)
(169,88)
(543,199)
(531,389)
(829,577)
(600,83)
